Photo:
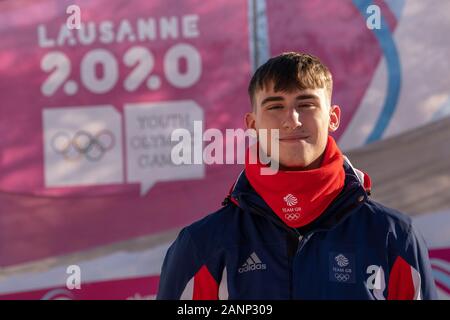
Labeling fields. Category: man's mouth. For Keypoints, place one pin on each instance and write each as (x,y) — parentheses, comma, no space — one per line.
(294,138)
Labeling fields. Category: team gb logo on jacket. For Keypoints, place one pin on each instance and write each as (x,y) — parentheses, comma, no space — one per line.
(291,212)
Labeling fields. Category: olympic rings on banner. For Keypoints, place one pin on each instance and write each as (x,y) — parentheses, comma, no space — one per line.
(83,143)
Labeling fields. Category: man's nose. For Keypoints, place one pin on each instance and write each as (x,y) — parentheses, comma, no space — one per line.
(292,120)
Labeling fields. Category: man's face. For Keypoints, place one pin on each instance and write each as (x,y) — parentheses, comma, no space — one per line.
(304,119)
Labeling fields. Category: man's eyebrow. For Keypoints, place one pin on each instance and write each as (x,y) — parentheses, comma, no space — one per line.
(304,96)
(272,99)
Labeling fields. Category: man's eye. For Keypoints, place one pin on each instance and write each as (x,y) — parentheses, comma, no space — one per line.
(307,105)
(275,107)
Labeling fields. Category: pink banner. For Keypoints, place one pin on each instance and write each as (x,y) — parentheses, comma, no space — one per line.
(86,116)
(143,288)
(440,262)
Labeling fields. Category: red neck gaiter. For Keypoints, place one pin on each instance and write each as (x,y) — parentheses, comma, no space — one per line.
(299,197)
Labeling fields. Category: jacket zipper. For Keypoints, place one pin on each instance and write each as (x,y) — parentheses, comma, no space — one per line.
(302,239)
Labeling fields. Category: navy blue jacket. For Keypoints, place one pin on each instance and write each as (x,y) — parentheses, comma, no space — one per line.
(357,249)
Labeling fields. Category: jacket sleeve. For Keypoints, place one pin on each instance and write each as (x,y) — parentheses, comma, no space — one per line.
(184,276)
(411,276)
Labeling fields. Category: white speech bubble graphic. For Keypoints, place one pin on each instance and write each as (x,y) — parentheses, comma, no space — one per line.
(148,141)
(82,146)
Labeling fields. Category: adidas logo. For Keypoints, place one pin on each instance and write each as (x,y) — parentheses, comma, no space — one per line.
(253,263)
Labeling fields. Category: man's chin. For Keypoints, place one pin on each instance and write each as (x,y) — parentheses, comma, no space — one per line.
(293,165)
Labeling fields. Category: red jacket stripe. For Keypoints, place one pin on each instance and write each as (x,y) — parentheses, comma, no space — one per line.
(205,286)
(401,284)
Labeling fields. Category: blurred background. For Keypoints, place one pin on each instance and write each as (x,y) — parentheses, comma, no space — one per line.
(86,116)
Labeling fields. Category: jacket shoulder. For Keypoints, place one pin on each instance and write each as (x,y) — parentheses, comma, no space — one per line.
(215,229)
(391,218)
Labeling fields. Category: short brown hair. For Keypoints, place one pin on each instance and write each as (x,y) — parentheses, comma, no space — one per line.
(289,71)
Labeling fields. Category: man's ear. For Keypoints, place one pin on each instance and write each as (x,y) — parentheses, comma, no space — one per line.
(335,118)
(250,120)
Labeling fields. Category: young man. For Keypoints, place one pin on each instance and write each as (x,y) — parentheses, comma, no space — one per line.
(308,232)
